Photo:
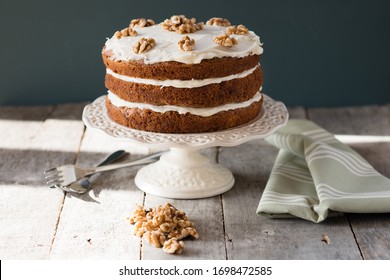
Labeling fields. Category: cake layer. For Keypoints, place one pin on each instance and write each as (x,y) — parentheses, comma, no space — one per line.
(204,112)
(209,68)
(232,91)
(181,83)
(174,122)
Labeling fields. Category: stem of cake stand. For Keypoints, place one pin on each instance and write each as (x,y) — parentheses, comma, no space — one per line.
(184,174)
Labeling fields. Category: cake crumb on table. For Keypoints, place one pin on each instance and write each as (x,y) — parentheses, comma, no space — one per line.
(325,239)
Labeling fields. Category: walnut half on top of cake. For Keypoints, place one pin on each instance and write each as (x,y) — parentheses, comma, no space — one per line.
(183,76)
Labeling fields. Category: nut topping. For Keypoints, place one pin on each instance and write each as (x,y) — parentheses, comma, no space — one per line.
(144,45)
(199,26)
(181,24)
(186,44)
(225,40)
(238,30)
(218,21)
(125,33)
(141,22)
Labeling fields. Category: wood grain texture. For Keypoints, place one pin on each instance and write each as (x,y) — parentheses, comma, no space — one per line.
(207,216)
(94,225)
(25,113)
(363,120)
(250,236)
(297,112)
(372,231)
(28,208)
(98,142)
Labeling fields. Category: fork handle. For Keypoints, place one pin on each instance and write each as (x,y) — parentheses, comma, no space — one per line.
(108,167)
(112,157)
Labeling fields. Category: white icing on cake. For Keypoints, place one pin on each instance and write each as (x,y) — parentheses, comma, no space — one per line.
(204,112)
(181,83)
(167,49)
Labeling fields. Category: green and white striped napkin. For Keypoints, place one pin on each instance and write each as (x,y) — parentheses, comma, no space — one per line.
(315,176)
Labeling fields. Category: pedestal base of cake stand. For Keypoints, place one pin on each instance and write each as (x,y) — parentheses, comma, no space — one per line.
(184,174)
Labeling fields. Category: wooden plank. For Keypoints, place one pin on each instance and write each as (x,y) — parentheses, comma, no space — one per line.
(28,216)
(29,209)
(250,236)
(363,120)
(372,231)
(58,140)
(25,113)
(208,218)
(33,146)
(297,112)
(17,132)
(96,141)
(94,225)
(13,241)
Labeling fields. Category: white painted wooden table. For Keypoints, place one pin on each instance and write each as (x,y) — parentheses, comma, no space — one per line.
(41,223)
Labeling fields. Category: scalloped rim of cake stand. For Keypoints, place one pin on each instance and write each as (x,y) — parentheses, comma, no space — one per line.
(273,115)
(183,172)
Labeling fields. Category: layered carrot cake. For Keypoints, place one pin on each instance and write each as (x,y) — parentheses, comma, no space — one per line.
(183,76)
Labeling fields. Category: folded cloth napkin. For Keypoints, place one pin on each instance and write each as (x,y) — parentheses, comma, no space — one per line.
(315,176)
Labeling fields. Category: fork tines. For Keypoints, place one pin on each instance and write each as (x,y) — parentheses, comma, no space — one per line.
(53,176)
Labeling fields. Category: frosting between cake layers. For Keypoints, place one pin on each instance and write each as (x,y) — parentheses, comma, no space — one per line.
(181,83)
(167,49)
(203,112)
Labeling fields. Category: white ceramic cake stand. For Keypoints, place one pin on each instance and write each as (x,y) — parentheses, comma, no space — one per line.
(183,172)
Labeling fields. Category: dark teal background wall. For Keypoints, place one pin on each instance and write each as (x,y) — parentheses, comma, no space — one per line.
(316,53)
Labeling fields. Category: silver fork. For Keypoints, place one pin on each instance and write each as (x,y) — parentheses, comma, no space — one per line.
(81,186)
(67,174)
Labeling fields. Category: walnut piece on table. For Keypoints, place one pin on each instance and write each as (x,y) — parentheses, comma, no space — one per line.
(173,246)
(164,226)
(156,238)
